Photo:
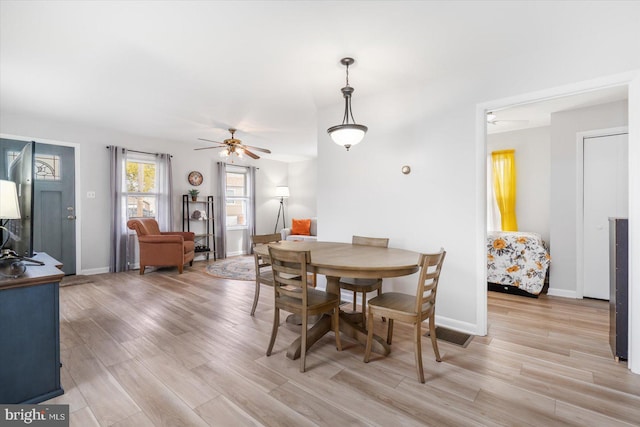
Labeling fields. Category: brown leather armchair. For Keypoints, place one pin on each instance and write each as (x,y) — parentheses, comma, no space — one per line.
(159,248)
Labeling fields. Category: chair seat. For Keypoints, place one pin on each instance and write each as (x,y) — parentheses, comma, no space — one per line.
(318,302)
(360,285)
(395,301)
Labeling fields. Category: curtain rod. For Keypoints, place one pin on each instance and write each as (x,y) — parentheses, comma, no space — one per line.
(141,152)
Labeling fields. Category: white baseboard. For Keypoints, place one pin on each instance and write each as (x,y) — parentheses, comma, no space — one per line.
(561,293)
(230,254)
(447,322)
(92,271)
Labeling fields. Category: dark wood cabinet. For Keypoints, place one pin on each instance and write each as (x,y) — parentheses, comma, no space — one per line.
(30,335)
(619,287)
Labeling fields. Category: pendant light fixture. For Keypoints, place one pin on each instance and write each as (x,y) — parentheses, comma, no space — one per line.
(347,134)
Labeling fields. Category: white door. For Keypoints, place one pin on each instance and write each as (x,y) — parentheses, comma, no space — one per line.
(605,195)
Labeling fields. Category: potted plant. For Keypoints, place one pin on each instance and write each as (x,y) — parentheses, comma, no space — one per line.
(194,194)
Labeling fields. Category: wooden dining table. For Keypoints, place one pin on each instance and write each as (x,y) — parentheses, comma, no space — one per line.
(336,260)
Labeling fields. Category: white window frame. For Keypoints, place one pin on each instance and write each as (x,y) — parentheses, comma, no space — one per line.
(246,198)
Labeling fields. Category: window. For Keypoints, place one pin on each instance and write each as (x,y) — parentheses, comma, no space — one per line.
(237,197)
(141,182)
(47,166)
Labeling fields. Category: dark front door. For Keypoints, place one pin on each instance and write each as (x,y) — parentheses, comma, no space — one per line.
(54,212)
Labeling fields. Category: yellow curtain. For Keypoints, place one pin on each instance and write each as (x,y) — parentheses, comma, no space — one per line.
(504,185)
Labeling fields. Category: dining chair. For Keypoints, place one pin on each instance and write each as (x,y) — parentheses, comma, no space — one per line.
(364,286)
(262,264)
(292,294)
(412,309)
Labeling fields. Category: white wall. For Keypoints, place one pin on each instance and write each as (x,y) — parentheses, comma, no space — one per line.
(93,214)
(303,185)
(533,175)
(564,127)
(433,129)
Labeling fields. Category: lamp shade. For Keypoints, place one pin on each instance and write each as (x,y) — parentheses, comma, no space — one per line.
(9,204)
(282,191)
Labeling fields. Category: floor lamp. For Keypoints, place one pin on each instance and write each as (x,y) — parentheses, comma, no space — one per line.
(283,193)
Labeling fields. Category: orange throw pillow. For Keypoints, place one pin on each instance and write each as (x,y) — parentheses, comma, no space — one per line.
(301,227)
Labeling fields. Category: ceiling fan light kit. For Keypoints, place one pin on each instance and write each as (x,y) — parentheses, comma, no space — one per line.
(348,133)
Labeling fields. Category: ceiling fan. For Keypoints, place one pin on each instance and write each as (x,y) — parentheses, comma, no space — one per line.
(234,146)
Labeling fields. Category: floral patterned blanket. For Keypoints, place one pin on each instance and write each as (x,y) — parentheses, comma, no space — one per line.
(517,259)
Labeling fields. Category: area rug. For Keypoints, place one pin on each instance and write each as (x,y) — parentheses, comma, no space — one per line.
(236,268)
(451,336)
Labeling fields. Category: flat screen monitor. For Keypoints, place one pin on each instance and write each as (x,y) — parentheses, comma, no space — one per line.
(21,171)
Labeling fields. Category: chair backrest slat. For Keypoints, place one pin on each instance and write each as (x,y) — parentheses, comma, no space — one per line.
(259,239)
(430,268)
(290,273)
(370,241)
(259,261)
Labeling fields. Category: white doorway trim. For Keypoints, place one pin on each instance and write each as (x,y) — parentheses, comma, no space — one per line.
(580,137)
(630,79)
(77,184)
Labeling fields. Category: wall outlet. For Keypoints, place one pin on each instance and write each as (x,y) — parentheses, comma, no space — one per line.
(91,194)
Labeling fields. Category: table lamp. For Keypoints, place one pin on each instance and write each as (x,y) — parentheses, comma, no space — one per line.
(10,209)
(9,205)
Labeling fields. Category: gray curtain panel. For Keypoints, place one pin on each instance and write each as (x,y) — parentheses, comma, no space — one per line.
(165,192)
(251,209)
(118,226)
(221,212)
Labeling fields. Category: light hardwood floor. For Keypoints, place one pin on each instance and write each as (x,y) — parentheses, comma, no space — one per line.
(165,349)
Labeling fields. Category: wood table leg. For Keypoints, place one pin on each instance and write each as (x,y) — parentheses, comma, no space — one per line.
(358,333)
(347,326)
(316,332)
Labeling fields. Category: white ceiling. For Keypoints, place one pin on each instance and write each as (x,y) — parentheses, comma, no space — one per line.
(182,70)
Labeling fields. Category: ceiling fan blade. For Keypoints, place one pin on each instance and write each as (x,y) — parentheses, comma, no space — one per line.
(264,150)
(210,140)
(250,154)
(209,148)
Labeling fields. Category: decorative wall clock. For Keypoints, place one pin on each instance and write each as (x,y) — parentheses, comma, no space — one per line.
(195,178)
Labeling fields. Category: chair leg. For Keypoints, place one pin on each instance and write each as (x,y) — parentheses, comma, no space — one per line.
(390,331)
(335,318)
(367,350)
(384,319)
(434,339)
(274,331)
(355,300)
(141,270)
(364,309)
(180,268)
(303,341)
(417,331)
(255,298)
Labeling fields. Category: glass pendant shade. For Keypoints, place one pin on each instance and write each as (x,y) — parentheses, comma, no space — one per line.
(347,135)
